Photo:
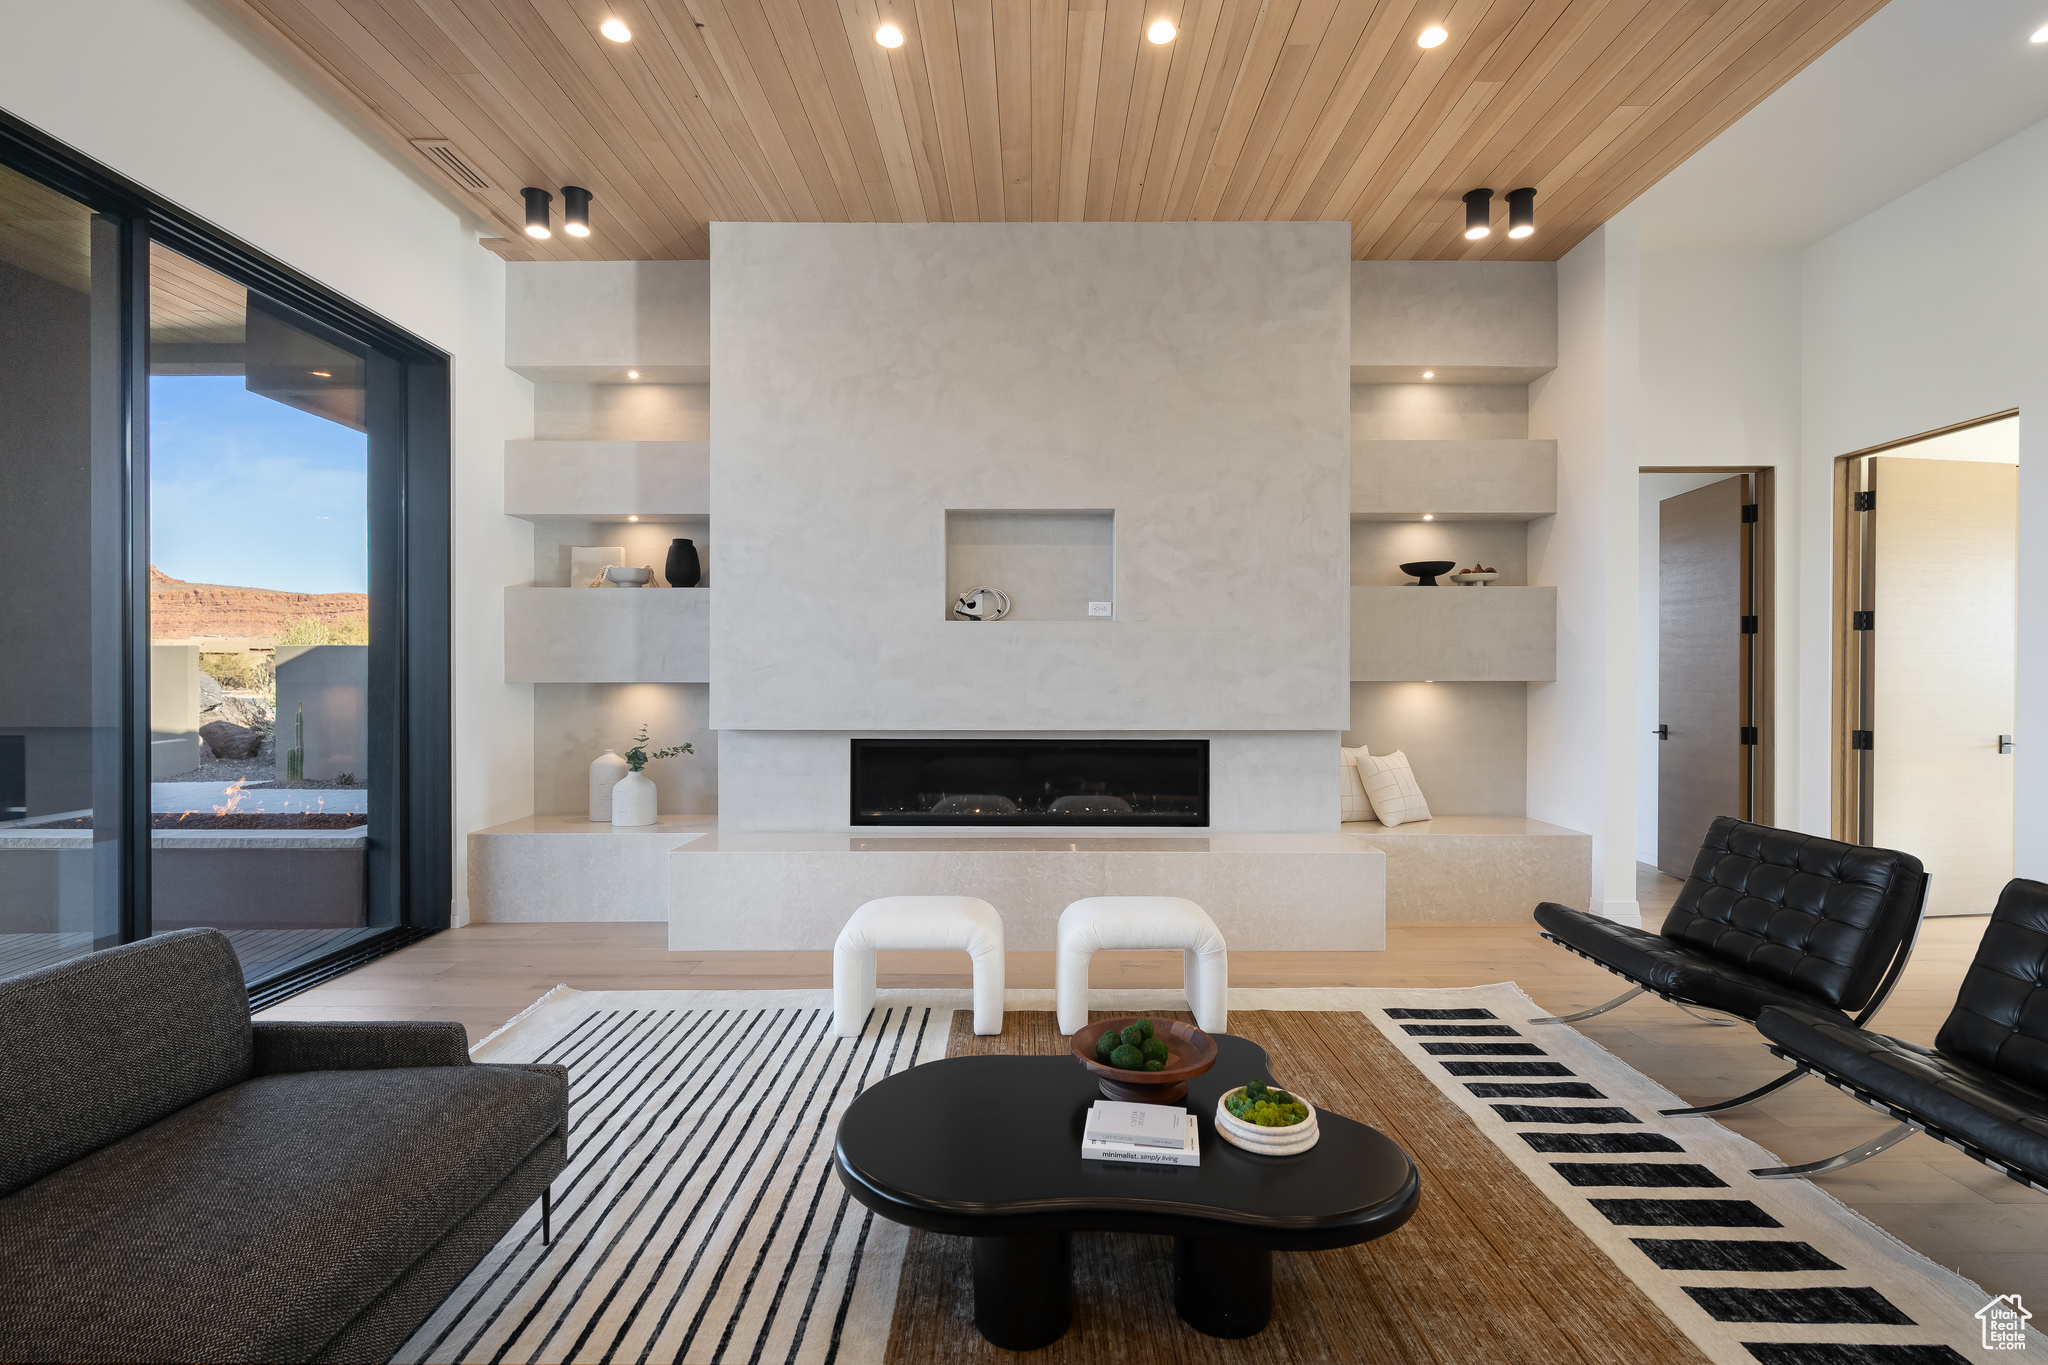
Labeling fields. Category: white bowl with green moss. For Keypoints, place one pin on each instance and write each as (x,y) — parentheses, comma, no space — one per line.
(1267,1139)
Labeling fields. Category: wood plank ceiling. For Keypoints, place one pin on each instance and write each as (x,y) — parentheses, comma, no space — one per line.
(1042,110)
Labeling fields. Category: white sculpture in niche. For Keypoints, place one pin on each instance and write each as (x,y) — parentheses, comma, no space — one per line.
(605,772)
(982,604)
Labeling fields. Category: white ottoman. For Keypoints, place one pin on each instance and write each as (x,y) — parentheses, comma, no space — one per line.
(1101,922)
(917,922)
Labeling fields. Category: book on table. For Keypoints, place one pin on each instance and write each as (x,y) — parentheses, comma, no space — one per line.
(1155,1135)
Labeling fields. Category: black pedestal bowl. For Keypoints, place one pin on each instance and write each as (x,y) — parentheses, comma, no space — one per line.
(1428,569)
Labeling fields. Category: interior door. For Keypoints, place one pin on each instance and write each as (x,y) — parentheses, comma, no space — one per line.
(1944,594)
(1701,666)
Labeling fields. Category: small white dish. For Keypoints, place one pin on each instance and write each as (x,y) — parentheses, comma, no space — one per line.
(1288,1141)
(622,577)
(1473,580)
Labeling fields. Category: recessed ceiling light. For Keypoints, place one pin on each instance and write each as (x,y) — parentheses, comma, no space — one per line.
(1160,32)
(1429,516)
(1432,36)
(321,374)
(2040,35)
(616,30)
(1429,374)
(632,518)
(632,374)
(888,35)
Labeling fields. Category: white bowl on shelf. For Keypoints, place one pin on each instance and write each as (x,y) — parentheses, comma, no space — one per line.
(621,577)
(1473,580)
(1288,1141)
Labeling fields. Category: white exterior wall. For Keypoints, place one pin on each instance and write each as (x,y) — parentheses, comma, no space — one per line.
(172,95)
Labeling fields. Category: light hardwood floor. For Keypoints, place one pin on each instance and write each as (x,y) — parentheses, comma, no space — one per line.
(1955,1211)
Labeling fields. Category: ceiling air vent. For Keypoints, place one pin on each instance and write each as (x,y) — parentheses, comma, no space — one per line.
(449,158)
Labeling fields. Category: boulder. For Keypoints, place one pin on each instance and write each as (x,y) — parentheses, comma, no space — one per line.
(209,692)
(228,740)
(245,711)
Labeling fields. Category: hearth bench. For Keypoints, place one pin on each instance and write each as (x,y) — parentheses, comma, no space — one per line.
(1983,1087)
(179,1183)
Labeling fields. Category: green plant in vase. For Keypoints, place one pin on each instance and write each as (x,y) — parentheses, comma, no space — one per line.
(633,796)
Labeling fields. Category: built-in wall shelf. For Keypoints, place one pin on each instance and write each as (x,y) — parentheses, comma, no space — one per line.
(609,322)
(1453,634)
(1453,480)
(607,480)
(1055,564)
(608,635)
(1469,322)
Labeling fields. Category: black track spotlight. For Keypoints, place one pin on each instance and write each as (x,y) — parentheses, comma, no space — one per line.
(1478,214)
(1522,212)
(537,202)
(575,210)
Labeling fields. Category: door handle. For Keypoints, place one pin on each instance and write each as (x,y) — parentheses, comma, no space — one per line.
(2005,744)
(1664,732)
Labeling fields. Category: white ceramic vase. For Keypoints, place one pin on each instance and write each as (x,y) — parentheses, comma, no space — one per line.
(605,773)
(633,800)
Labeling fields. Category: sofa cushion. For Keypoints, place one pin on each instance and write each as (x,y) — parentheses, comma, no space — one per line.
(1816,915)
(103,1046)
(2004,1118)
(2000,1021)
(259,1222)
(1672,968)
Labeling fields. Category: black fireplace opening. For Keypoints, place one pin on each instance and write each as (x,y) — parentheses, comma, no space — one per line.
(1031,782)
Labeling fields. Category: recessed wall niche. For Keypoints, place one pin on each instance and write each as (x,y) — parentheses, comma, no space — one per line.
(1051,562)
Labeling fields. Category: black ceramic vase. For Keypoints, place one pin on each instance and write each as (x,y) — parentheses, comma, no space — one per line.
(682,569)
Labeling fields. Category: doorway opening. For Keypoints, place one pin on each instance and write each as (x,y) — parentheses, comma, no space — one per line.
(1704,662)
(1926,626)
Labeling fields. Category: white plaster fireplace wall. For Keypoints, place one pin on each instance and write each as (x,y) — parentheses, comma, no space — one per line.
(1193,378)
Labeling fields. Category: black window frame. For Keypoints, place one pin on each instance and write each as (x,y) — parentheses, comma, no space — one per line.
(410,551)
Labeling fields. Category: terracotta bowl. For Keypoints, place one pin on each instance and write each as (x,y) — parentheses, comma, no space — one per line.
(1189,1052)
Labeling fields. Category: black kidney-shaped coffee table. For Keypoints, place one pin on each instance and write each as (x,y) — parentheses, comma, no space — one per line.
(990,1148)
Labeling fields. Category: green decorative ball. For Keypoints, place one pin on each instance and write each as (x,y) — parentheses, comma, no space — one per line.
(1155,1065)
(1127,1058)
(1108,1043)
(1135,1036)
(1145,1024)
(1154,1050)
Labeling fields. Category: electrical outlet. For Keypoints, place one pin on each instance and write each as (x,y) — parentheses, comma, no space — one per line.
(1098,608)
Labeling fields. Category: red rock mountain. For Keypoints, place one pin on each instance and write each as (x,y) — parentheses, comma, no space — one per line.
(178,609)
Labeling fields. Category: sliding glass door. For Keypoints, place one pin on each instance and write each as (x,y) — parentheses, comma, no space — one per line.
(62,532)
(223,593)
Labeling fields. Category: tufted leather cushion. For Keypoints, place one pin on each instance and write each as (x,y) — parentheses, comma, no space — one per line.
(1821,917)
(2003,1118)
(1667,967)
(2000,1021)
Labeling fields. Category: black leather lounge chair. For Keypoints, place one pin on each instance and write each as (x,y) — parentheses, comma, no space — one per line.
(1982,1088)
(1768,917)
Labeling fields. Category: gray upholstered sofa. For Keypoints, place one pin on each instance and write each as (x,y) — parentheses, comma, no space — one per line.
(179,1184)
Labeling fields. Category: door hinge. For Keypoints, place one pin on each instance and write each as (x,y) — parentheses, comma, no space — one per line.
(1748,512)
(1865,501)
(1749,734)
(1861,739)
(1863,620)
(1749,625)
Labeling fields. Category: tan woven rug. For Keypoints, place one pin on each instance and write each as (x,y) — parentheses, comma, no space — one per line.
(1487,1270)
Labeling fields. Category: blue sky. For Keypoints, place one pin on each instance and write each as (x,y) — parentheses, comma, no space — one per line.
(246,491)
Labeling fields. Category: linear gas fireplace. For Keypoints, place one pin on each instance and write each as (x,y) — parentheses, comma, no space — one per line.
(1031,782)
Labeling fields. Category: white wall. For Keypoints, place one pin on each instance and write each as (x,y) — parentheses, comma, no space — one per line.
(174,96)
(1192,377)
(1926,313)
(1582,759)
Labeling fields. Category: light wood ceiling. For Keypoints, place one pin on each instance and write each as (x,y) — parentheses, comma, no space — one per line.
(1041,110)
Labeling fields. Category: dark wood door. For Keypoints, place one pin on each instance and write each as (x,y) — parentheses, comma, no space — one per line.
(1700,667)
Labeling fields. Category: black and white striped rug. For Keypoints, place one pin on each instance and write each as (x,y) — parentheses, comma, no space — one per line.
(698,1218)
(1756,1272)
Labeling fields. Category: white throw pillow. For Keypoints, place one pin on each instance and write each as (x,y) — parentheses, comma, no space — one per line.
(1357,806)
(1391,785)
